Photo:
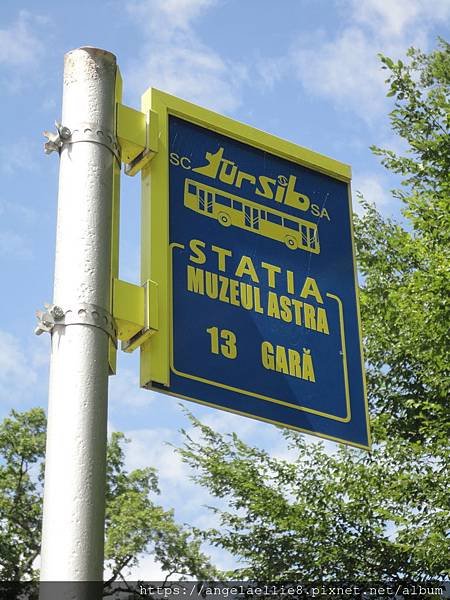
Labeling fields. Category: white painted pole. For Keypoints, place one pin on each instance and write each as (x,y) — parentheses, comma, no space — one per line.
(75,472)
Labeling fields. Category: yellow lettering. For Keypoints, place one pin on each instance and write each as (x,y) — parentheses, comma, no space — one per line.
(258,307)
(267,358)
(290,282)
(245,267)
(224,281)
(246,295)
(308,369)
(273,310)
(212,167)
(294,363)
(196,280)
(230,176)
(234,292)
(271,270)
(322,321)
(295,199)
(228,348)
(297,304)
(279,194)
(281,360)
(242,176)
(212,286)
(310,316)
(266,190)
(222,253)
(199,256)
(286,312)
(310,288)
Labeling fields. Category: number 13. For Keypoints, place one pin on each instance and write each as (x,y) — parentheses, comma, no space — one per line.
(227,347)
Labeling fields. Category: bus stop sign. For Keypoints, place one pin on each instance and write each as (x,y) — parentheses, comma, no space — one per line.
(262,311)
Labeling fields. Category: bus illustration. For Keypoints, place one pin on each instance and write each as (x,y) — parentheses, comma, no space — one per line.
(231,210)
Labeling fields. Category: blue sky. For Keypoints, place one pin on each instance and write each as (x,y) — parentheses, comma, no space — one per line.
(304,70)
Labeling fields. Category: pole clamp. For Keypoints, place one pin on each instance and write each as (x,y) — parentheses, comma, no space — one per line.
(83,132)
(78,314)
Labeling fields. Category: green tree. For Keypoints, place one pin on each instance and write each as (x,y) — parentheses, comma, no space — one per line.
(351,514)
(134,522)
(22,445)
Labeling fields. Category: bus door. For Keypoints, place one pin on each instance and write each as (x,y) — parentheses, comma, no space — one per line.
(304,233)
(313,241)
(252,217)
(205,200)
(309,238)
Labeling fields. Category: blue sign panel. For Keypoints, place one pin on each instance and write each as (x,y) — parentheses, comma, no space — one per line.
(264,308)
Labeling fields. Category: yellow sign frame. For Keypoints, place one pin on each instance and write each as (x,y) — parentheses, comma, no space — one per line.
(155,251)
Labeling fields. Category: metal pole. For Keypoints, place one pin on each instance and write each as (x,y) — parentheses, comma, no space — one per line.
(75,471)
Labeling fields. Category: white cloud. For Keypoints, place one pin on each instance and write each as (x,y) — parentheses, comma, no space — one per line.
(147,570)
(157,448)
(193,73)
(190,501)
(40,351)
(18,374)
(175,60)
(270,70)
(394,18)
(15,218)
(168,16)
(374,190)
(341,65)
(390,17)
(345,68)
(18,155)
(148,447)
(16,209)
(225,422)
(125,393)
(20,46)
(14,245)
(49,104)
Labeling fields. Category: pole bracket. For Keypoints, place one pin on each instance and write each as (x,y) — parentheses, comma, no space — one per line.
(77,314)
(137,134)
(135,310)
(82,132)
(135,142)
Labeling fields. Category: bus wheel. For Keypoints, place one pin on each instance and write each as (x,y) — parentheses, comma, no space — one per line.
(224,219)
(291,242)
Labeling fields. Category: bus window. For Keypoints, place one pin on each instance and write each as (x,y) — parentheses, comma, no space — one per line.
(202,204)
(304,232)
(223,200)
(313,241)
(291,224)
(192,188)
(273,218)
(237,205)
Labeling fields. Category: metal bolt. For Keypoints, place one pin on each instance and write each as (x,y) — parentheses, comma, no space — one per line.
(57,313)
(65,133)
